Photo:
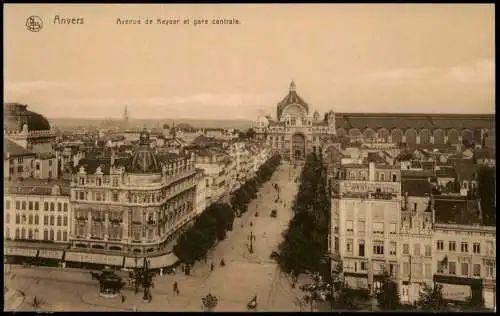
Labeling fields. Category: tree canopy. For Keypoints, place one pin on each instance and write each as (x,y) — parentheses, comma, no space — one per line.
(388,295)
(306,240)
(431,299)
(486,191)
(217,219)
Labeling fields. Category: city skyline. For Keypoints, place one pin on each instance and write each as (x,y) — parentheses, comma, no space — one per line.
(346,58)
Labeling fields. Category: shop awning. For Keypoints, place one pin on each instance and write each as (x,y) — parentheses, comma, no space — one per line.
(50,254)
(22,252)
(133,262)
(109,260)
(163,261)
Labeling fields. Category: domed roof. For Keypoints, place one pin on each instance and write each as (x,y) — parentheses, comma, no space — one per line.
(16,115)
(145,159)
(291,98)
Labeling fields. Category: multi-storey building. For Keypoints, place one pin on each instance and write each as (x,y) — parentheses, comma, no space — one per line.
(202,196)
(131,206)
(28,149)
(37,210)
(465,251)
(366,212)
(215,167)
(28,129)
(416,233)
(295,133)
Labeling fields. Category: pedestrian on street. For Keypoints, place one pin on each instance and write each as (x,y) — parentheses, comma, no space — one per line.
(212,267)
(176,288)
(123,298)
(161,272)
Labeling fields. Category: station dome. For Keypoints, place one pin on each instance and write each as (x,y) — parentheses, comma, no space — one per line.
(16,115)
(144,159)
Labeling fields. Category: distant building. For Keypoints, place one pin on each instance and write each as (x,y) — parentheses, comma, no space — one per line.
(295,133)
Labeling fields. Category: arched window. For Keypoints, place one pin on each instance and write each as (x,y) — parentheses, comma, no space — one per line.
(51,220)
(51,234)
(23,233)
(30,234)
(59,220)
(36,234)
(36,219)
(7,232)
(18,235)
(58,235)
(30,219)
(45,235)
(7,218)
(382,176)
(394,177)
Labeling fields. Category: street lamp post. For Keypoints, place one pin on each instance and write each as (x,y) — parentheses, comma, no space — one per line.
(251,238)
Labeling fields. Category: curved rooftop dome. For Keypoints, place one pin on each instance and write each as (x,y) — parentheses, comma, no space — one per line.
(16,115)
(291,98)
(145,159)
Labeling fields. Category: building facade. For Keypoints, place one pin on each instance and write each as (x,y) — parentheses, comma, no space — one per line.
(36,210)
(133,207)
(295,133)
(465,251)
(366,212)
(416,238)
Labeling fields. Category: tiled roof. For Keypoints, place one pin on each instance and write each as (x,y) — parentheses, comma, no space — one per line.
(91,165)
(486,153)
(416,187)
(416,164)
(456,210)
(14,149)
(416,121)
(376,158)
(465,169)
(202,140)
(46,155)
(445,172)
(416,174)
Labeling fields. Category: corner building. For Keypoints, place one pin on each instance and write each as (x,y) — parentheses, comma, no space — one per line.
(366,208)
(132,206)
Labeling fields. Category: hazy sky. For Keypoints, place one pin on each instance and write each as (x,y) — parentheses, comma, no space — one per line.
(347,57)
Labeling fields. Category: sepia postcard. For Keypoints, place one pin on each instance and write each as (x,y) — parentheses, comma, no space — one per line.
(249,157)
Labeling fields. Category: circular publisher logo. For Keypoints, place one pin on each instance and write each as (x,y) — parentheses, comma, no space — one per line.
(34,23)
